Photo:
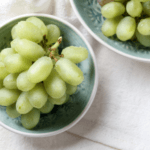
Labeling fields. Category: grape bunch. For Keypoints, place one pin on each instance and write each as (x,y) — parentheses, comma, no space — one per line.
(34,76)
(128,20)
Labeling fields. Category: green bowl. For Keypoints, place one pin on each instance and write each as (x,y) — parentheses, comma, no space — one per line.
(62,117)
(89,13)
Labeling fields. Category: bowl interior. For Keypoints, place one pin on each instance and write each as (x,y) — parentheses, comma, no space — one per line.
(61,116)
(90,12)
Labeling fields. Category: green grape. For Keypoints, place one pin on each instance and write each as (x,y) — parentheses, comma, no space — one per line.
(112,9)
(144,26)
(11,111)
(47,107)
(23,83)
(54,85)
(27,30)
(31,119)
(1,84)
(14,43)
(142,0)
(59,101)
(69,71)
(15,63)
(6,52)
(14,32)
(29,49)
(143,39)
(121,1)
(38,96)
(134,8)
(109,26)
(146,8)
(53,34)
(70,89)
(40,70)
(10,81)
(75,54)
(126,28)
(8,97)
(3,71)
(39,23)
(23,105)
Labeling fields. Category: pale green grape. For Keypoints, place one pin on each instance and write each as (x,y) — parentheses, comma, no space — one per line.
(14,43)
(31,119)
(54,85)
(146,8)
(69,71)
(23,105)
(40,70)
(23,83)
(134,8)
(59,101)
(144,26)
(70,89)
(39,23)
(75,54)
(15,63)
(109,26)
(27,30)
(53,34)
(143,39)
(29,49)
(8,97)
(14,32)
(11,111)
(6,52)
(1,84)
(141,0)
(38,96)
(3,71)
(112,9)
(10,81)
(121,1)
(47,107)
(126,28)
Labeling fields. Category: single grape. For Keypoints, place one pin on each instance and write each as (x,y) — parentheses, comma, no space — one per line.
(53,34)
(14,32)
(31,119)
(8,97)
(15,63)
(144,26)
(3,71)
(69,71)
(14,43)
(126,28)
(109,26)
(23,105)
(6,52)
(40,70)
(11,111)
(146,8)
(1,84)
(10,81)
(27,30)
(75,54)
(29,49)
(134,8)
(54,85)
(38,96)
(23,83)
(59,101)
(47,108)
(112,9)
(39,23)
(70,89)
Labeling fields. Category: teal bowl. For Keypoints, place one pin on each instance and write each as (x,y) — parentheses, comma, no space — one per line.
(66,116)
(89,14)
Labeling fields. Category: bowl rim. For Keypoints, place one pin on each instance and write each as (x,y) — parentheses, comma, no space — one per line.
(101,41)
(95,81)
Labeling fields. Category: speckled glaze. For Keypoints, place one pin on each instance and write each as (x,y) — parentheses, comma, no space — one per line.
(89,13)
(62,117)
